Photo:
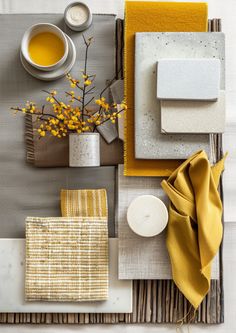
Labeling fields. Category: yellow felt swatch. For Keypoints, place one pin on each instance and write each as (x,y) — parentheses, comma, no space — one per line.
(195,228)
(150,17)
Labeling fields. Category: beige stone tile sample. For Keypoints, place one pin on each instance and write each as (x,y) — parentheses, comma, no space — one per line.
(193,116)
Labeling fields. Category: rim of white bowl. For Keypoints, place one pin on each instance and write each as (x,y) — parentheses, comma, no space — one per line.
(25,42)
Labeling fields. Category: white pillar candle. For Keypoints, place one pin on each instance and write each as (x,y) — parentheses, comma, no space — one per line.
(78,16)
(147,215)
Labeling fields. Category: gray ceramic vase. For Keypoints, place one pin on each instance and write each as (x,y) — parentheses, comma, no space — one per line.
(84,150)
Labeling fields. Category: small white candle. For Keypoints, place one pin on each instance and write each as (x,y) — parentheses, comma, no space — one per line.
(147,215)
(78,16)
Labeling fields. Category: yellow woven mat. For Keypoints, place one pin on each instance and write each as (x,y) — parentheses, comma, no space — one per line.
(149,17)
(84,203)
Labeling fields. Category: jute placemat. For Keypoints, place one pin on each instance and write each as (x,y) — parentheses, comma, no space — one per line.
(154,301)
(66,259)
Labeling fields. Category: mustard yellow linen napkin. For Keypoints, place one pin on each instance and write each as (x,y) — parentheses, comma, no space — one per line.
(195,229)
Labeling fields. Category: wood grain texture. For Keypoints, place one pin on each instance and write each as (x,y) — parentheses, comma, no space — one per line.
(119,49)
(150,305)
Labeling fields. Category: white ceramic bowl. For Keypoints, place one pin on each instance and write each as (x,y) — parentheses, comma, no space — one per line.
(39,28)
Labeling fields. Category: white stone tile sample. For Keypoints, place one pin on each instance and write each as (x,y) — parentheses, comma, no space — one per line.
(12,258)
(143,257)
(193,116)
(150,143)
(188,79)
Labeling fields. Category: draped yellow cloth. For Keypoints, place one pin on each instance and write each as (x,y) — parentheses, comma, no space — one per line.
(195,228)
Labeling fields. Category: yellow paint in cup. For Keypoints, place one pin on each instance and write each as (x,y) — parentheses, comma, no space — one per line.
(46,49)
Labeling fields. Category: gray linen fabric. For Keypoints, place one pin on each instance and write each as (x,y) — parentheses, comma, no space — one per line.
(25,190)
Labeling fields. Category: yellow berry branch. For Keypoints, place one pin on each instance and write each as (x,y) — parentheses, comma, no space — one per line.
(59,118)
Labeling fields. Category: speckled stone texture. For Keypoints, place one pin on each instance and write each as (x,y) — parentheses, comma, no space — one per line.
(150,143)
(199,116)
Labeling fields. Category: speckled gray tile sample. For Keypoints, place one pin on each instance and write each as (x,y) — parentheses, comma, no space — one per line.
(150,143)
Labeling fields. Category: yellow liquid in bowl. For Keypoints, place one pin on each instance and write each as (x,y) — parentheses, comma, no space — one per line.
(46,49)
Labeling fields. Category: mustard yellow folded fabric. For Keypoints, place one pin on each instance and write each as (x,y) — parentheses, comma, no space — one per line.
(85,203)
(195,228)
(146,16)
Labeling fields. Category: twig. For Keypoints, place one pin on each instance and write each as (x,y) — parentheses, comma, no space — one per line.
(35,113)
(90,89)
(95,127)
(85,73)
(49,93)
(69,94)
(108,86)
(77,85)
(85,42)
(89,101)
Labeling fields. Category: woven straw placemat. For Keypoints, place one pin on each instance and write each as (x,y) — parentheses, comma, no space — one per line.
(66,259)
